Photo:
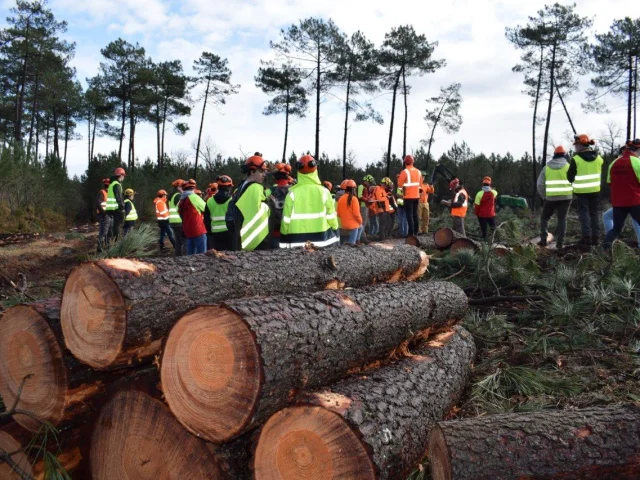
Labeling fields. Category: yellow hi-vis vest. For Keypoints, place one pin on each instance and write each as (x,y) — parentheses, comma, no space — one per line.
(133,215)
(588,175)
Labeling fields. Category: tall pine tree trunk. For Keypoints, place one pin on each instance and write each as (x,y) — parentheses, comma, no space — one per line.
(56,137)
(124,119)
(317,152)
(533,137)
(158,136)
(635,97)
(34,109)
(93,135)
(89,140)
(406,113)
(164,123)
(66,135)
(630,98)
(21,88)
(393,113)
(204,106)
(46,151)
(286,128)
(551,90)
(37,135)
(346,127)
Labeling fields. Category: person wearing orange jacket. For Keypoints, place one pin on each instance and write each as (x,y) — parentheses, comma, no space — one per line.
(484,207)
(459,203)
(409,181)
(162,216)
(105,221)
(348,210)
(378,209)
(390,207)
(423,206)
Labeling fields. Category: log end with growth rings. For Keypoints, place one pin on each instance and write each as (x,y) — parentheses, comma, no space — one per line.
(212,373)
(9,445)
(463,244)
(28,348)
(93,315)
(443,237)
(136,437)
(310,443)
(439,455)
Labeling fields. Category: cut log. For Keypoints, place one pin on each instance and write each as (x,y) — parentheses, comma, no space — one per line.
(423,241)
(444,237)
(116,312)
(368,427)
(59,388)
(137,437)
(463,244)
(594,443)
(9,444)
(225,369)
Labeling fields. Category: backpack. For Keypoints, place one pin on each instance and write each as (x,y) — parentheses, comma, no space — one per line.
(276,205)
(234,215)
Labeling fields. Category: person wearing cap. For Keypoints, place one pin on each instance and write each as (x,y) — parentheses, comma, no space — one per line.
(309,213)
(275,201)
(410,181)
(485,207)
(363,196)
(130,214)
(423,206)
(348,211)
(162,216)
(585,173)
(191,209)
(557,192)
(624,178)
(329,186)
(115,202)
(247,215)
(104,220)
(214,215)
(175,222)
(458,204)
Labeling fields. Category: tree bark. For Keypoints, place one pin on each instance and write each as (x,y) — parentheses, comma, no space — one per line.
(137,437)
(56,142)
(34,109)
(93,135)
(258,352)
(117,311)
(373,426)
(10,444)
(318,88)
(551,90)
(21,87)
(286,129)
(635,96)
(346,127)
(406,113)
(534,191)
(593,443)
(124,119)
(158,136)
(66,135)
(60,389)
(393,112)
(204,106)
(164,123)
(89,140)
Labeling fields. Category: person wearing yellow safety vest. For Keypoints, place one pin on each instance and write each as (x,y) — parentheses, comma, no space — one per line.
(175,222)
(191,209)
(410,180)
(162,216)
(248,214)
(459,204)
(104,233)
(130,214)
(424,213)
(557,192)
(363,196)
(585,172)
(309,213)
(484,207)
(115,202)
(214,215)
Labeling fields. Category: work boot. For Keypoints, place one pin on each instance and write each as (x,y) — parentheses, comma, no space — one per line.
(542,244)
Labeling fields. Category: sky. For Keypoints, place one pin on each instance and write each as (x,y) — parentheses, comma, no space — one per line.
(496,114)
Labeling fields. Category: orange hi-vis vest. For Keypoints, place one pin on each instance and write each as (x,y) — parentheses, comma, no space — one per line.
(460,211)
(162,212)
(410,181)
(424,192)
(103,203)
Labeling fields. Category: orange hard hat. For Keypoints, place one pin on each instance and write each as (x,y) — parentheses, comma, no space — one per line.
(283,167)
(213,186)
(191,183)
(224,181)
(106,181)
(197,192)
(583,139)
(559,150)
(307,164)
(328,185)
(177,183)
(255,162)
(161,193)
(486,180)
(454,184)
(119,171)
(348,183)
(408,160)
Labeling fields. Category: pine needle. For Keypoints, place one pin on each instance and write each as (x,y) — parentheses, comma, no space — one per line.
(139,242)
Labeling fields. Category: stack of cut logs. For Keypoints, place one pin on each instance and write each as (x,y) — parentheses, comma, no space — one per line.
(272,365)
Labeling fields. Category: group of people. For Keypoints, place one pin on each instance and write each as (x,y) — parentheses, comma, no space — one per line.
(115,210)
(581,176)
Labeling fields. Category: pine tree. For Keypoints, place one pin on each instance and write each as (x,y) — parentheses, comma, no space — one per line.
(446,114)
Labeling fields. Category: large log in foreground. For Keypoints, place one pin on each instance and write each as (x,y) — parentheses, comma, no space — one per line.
(368,427)
(117,311)
(594,443)
(225,369)
(10,445)
(137,437)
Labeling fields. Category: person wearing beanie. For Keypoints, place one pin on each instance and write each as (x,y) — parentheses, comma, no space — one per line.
(410,181)
(624,178)
(485,207)
(557,192)
(585,173)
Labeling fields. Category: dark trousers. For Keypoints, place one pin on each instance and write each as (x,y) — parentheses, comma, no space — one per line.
(166,231)
(561,209)
(589,213)
(485,223)
(128,226)
(104,234)
(180,246)
(411,210)
(458,225)
(222,241)
(116,224)
(384,220)
(619,217)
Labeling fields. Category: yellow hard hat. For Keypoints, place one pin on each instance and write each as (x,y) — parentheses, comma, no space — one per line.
(129,191)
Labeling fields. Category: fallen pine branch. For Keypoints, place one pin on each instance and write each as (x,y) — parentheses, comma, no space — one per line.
(504,299)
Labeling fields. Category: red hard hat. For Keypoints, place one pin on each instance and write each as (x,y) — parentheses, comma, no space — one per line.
(255,162)
(454,183)
(486,180)
(307,164)
(161,193)
(224,181)
(119,171)
(408,160)
(559,150)
(327,184)
(191,183)
(177,183)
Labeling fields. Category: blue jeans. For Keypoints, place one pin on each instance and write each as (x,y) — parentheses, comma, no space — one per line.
(165,231)
(355,234)
(374,225)
(607,219)
(197,244)
(403,226)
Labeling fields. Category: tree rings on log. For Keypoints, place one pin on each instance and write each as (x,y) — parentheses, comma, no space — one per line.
(310,443)
(136,437)
(9,444)
(463,244)
(444,237)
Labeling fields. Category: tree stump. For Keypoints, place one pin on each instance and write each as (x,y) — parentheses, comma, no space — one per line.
(444,237)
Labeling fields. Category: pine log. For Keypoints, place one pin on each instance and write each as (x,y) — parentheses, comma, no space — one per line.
(116,312)
(225,369)
(59,389)
(366,427)
(464,244)
(594,443)
(10,444)
(444,237)
(424,241)
(137,437)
